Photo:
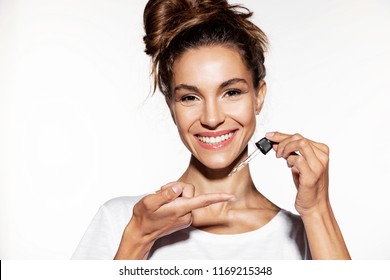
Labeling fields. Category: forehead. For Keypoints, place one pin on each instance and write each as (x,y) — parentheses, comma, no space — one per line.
(209,66)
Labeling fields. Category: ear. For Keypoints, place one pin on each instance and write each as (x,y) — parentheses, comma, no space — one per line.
(260,96)
(171,108)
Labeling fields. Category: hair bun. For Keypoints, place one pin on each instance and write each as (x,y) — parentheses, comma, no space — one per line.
(161,17)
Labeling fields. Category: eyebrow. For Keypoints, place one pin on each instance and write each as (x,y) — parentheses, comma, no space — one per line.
(221,86)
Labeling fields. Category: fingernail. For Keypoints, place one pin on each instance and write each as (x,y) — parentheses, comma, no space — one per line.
(177,189)
(269,134)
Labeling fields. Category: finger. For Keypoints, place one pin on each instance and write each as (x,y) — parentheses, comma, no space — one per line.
(322,152)
(280,140)
(304,147)
(168,194)
(322,156)
(166,186)
(169,185)
(307,162)
(280,152)
(298,164)
(316,153)
(205,200)
(276,136)
(188,191)
(307,177)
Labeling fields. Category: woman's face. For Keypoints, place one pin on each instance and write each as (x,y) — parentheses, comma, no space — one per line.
(214,104)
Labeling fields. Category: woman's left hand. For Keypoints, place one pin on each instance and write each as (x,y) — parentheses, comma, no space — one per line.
(309,163)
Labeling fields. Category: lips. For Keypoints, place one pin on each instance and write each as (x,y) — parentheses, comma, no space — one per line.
(215,140)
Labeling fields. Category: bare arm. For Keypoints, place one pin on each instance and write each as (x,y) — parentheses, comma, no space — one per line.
(324,235)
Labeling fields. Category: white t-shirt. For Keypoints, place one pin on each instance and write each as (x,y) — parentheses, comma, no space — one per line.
(283,237)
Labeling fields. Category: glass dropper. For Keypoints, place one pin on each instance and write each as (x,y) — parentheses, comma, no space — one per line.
(263,145)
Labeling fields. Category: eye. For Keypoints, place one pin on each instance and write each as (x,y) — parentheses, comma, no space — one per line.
(233,93)
(188,99)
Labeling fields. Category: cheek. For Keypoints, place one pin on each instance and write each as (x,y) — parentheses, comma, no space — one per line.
(184,118)
(243,113)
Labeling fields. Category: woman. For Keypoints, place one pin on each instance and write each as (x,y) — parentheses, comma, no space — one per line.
(208,61)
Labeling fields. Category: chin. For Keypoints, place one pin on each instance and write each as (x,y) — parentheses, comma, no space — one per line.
(216,164)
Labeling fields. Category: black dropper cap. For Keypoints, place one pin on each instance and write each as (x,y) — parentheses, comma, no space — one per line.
(264,145)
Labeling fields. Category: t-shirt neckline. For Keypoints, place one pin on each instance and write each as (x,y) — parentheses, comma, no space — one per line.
(268,226)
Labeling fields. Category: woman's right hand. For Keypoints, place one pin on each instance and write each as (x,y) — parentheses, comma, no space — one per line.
(160,214)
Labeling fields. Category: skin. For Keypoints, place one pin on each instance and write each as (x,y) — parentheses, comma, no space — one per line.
(213,91)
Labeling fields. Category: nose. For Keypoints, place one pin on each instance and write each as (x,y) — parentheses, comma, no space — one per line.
(213,114)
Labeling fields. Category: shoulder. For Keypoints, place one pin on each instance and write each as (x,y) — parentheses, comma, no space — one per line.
(122,201)
(291,222)
(290,217)
(120,205)
(103,235)
(295,239)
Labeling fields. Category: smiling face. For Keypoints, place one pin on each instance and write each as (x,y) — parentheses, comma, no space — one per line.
(214,104)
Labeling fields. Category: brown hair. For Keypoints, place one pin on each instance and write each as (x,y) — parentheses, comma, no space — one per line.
(174,26)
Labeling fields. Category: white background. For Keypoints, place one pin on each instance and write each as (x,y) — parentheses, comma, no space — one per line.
(77,128)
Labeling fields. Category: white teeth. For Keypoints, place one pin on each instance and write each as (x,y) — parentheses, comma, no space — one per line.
(215,140)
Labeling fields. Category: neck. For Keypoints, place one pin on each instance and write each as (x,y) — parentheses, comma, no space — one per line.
(208,180)
(249,211)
